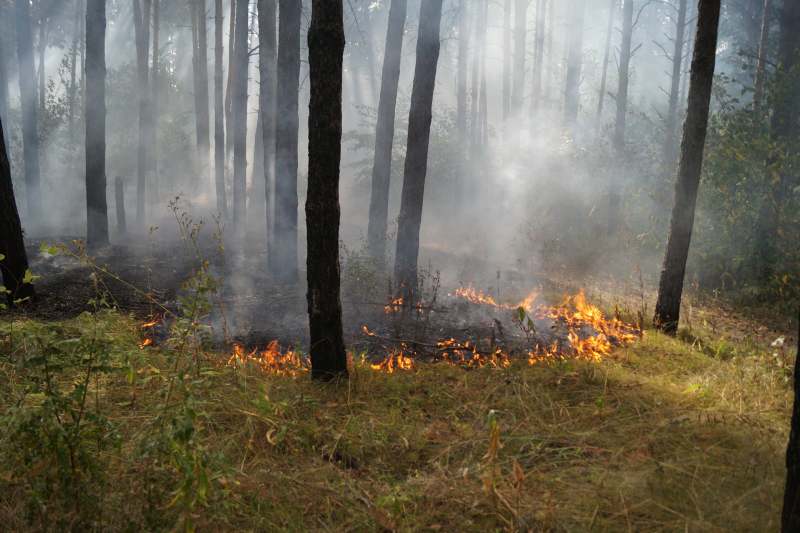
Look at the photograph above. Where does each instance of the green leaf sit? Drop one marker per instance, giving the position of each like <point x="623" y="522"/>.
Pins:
<point x="29" y="277"/>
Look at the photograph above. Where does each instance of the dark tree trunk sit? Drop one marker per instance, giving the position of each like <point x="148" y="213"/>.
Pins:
<point x="507" y="59"/>
<point x="790" y="517"/>
<point x="538" y="56"/>
<point x="614" y="198"/>
<point x="285" y="250"/>
<point x="670" y="140"/>
<point x="97" y="210"/>
<point x="763" y="49"/>
<point x="219" y="114"/>
<point x="601" y="96"/>
<point x="670" y="286"/>
<point x="416" y="165"/>
<point x="574" y="63"/>
<point x="30" y="121"/>
<point x="239" y="118"/>
<point x="384" y="134"/>
<point x="200" y="68"/>
<point x="141" y="25"/>
<point x="784" y="130"/>
<point x="325" y="54"/>
<point x="520" y="14"/>
<point x="3" y="65"/>
<point x="267" y="77"/>
<point x="14" y="264"/>
<point x="119" y="203"/>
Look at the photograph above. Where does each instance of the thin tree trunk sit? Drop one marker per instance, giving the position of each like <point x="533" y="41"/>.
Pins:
<point x="614" y="214"/>
<point x="239" y="118"/>
<point x="790" y="516"/>
<point x="219" y="114"/>
<point x="538" y="56"/>
<point x="231" y="74"/>
<point x="325" y="55"/>
<point x="507" y="59"/>
<point x="141" y="25"/>
<point x="601" y="96"/>
<point x="670" y="287"/>
<point x="268" y="87"/>
<point x="285" y="250"/>
<point x="551" y="57"/>
<point x="3" y="65"/>
<point x="763" y="50"/>
<point x="72" y="91"/>
<point x="97" y="210"/>
<point x="14" y="262"/>
<point x="200" y="68"/>
<point x="670" y="140"/>
<point x="384" y="132"/>
<point x="520" y="14"/>
<point x="30" y="120"/>
<point x="480" y="38"/>
<point x="42" y="23"/>
<point x="462" y="71"/>
<point x="416" y="165"/>
<point x="574" y="64"/>
<point x="153" y="114"/>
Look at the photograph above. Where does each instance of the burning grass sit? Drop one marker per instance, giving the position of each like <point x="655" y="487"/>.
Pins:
<point x="657" y="435"/>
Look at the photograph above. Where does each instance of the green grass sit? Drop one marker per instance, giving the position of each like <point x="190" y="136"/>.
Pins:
<point x="663" y="435"/>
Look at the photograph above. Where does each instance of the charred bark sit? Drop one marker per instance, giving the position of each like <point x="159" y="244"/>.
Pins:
<point x="285" y="238"/>
<point x="239" y="120"/>
<point x="30" y="112"/>
<point x="141" y="26"/>
<point x="267" y="94"/>
<point x="97" y="209"/>
<point x="416" y="165"/>
<point x="620" y="124"/>
<point x="669" y="151"/>
<point x="219" y="115"/>
<point x="384" y="134"/>
<point x="14" y="264"/>
<point x="670" y="286"/>
<point x="325" y="55"/>
<point x="790" y="516"/>
<point x="574" y="64"/>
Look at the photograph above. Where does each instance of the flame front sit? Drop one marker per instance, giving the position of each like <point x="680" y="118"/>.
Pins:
<point x="270" y="360"/>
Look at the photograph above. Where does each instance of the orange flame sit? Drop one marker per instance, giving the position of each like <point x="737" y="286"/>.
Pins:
<point x="271" y="360"/>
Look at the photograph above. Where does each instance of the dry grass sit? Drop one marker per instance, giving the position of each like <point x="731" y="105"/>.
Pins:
<point x="661" y="436"/>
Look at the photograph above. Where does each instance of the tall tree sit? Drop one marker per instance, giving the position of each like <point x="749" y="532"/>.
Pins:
<point x="219" y="114"/>
<point x="41" y="21"/>
<point x="507" y="59"/>
<point x="622" y="111"/>
<point x="476" y="68"/>
<point x="670" y="148"/>
<point x="784" y="130"/>
<point x="384" y="132"/>
<point x="200" y="69"/>
<point x="30" y="120"/>
<point x="790" y="516"/>
<point x="153" y="114"/>
<point x="763" y="49"/>
<point x="267" y="77"/>
<point x="285" y="238"/>
<point x="574" y="63"/>
<point x="141" y="29"/>
<point x="96" y="208"/>
<point x="72" y="90"/>
<point x="416" y="165"/>
<point x="670" y="287"/>
<point x="461" y="70"/>
<point x="239" y="118"/>
<point x="601" y="96"/>
<point x="538" y="55"/>
<point x="520" y="15"/>
<point x="325" y="55"/>
<point x="3" y="65"/>
<point x="231" y="74"/>
<point x="14" y="260"/>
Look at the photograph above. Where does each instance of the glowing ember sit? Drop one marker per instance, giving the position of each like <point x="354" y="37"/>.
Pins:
<point x="394" y="306"/>
<point x="145" y="343"/>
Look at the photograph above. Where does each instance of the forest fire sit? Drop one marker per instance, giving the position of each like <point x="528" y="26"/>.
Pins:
<point x="270" y="360"/>
<point x="147" y="328"/>
<point x="394" y="362"/>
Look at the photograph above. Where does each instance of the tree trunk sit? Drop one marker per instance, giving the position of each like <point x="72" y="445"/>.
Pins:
<point x="239" y="118"/>
<point x="285" y="250"/>
<point x="267" y="94"/>
<point x="42" y="24"/>
<point x="614" y="214"/>
<point x="30" y="120"/>
<point x="790" y="517"/>
<point x="670" y="286"/>
<point x="200" y="67"/>
<point x="325" y="55"/>
<point x="462" y="68"/>
<point x="219" y="114"/>
<point x="141" y="26"/>
<point x="72" y="90"/>
<point x="231" y="74"/>
<point x="763" y="49"/>
<point x="784" y="130"/>
<point x="538" y="56"/>
<point x="601" y="96"/>
<point x="14" y="264"/>
<point x="670" y="141"/>
<point x="384" y="132"/>
<point x="574" y="63"/>
<point x="520" y="14"/>
<point x="3" y="66"/>
<point x="416" y="165"/>
<point x="475" y="100"/>
<point x="153" y="114"/>
<point x="97" y="210"/>
<point x="507" y="59"/>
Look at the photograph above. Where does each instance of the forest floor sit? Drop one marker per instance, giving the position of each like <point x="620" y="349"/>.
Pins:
<point x="116" y="424"/>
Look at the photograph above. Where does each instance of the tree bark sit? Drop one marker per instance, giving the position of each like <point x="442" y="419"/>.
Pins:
<point x="219" y="114"/>
<point x="384" y="132"/>
<point x="520" y="14"/>
<point x="790" y="516"/>
<point x="97" y="210"/>
<point x="476" y="72"/>
<point x="30" y="120"/>
<point x="670" y="287"/>
<point x="574" y="63"/>
<point x="42" y="25"/>
<point x="601" y="96"/>
<point x="669" y="151"/>
<point x="614" y="214"/>
<point x="72" y="90"/>
<point x="153" y="112"/>
<point x="15" y="263"/>
<point x="285" y="249"/>
<point x="141" y="26"/>
<point x="200" y="67"/>
<point x="763" y="49"/>
<point x="507" y="59"/>
<point x="416" y="165"/>
<point x="239" y="118"/>
<point x="231" y="74"/>
<point x="462" y="71"/>
<point x="3" y="65"/>
<point x="267" y="94"/>
<point x="325" y="55"/>
<point x="538" y="56"/>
